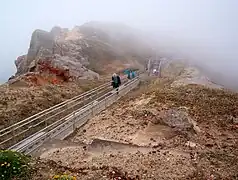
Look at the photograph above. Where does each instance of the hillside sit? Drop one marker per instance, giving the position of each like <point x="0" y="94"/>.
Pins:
<point x="179" y="126"/>
<point x="169" y="128"/>
<point x="63" y="63"/>
<point x="20" y="100"/>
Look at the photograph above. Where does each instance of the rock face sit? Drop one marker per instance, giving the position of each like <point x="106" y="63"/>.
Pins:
<point x="83" y="52"/>
<point x="21" y="64"/>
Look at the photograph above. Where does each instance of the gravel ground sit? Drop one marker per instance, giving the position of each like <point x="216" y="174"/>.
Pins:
<point x="168" y="132"/>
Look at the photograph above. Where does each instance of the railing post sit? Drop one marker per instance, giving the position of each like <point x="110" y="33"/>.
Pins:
<point x="83" y="100"/>
<point x="14" y="135"/>
<point x="46" y="123"/>
<point x="105" y="102"/>
<point x="74" y="122"/>
<point x="92" y="109"/>
<point x="97" y="94"/>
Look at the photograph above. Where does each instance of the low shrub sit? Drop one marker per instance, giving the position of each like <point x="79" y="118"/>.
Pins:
<point x="63" y="177"/>
<point x="13" y="165"/>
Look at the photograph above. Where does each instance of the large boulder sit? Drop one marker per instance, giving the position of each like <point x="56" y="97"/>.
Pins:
<point x="85" y="51"/>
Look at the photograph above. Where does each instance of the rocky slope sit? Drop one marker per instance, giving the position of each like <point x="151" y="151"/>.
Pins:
<point x="83" y="52"/>
<point x="169" y="128"/>
<point x="20" y="100"/>
<point x="63" y="63"/>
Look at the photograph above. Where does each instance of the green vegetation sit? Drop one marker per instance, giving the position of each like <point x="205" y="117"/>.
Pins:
<point x="14" y="165"/>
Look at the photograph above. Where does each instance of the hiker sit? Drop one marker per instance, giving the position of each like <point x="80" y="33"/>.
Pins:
<point x="116" y="81"/>
<point x="129" y="74"/>
<point x="133" y="74"/>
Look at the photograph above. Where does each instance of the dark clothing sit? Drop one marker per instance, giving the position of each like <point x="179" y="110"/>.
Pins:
<point x="116" y="81"/>
<point x="129" y="76"/>
<point x="115" y="85"/>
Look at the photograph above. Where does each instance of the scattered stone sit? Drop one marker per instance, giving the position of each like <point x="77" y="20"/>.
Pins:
<point x="190" y="144"/>
<point x="235" y="120"/>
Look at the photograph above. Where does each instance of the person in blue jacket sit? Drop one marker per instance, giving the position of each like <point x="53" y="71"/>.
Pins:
<point x="133" y="74"/>
<point x="128" y="72"/>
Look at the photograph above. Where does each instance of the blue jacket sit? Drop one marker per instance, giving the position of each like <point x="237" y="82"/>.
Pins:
<point x="127" y="72"/>
<point x="133" y="74"/>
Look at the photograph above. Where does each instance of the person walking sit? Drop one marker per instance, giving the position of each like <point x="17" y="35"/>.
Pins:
<point x="116" y="81"/>
<point x="133" y="74"/>
<point x="129" y="74"/>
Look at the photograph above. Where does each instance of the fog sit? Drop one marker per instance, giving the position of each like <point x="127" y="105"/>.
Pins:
<point x="205" y="32"/>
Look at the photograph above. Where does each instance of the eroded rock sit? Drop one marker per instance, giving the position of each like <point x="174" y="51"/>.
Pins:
<point x="85" y="51"/>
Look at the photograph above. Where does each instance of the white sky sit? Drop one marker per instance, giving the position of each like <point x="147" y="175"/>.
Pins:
<point x="211" y="26"/>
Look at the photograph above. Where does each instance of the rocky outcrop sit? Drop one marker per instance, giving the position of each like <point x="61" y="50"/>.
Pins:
<point x="20" y="63"/>
<point x="42" y="44"/>
<point x="83" y="52"/>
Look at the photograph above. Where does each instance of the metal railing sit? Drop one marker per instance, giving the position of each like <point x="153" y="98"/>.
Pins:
<point x="18" y="131"/>
<point x="66" y="125"/>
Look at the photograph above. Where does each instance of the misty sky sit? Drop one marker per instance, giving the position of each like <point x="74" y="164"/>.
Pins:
<point x="208" y="28"/>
